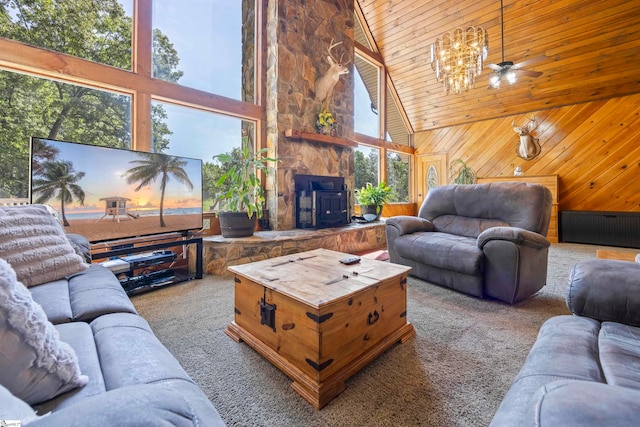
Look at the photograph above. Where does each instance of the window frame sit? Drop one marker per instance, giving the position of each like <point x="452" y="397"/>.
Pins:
<point x="137" y="82"/>
<point x="386" y="87"/>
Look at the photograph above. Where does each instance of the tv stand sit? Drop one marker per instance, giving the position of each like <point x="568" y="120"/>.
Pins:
<point x="151" y="265"/>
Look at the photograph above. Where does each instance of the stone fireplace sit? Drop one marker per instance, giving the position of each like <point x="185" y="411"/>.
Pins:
<point x="298" y="37"/>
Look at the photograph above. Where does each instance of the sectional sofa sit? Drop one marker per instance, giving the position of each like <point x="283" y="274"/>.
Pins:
<point x="74" y="351"/>
<point x="584" y="369"/>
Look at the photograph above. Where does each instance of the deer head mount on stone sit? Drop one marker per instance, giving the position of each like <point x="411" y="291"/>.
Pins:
<point x="324" y="85"/>
<point x="528" y="148"/>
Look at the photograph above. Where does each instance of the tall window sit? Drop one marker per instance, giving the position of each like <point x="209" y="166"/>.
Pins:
<point x="100" y="95"/>
<point x="378" y="121"/>
<point x="201" y="135"/>
<point x="209" y="39"/>
<point x="398" y="176"/>
<point x="32" y="106"/>
<point x="367" y="166"/>
<point x="83" y="28"/>
<point x="366" y="98"/>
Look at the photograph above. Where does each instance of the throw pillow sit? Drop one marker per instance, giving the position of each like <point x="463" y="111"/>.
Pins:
<point x="35" y="245"/>
<point x="34" y="364"/>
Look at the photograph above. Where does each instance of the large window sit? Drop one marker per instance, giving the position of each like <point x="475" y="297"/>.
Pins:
<point x="366" y="98"/>
<point x="379" y="121"/>
<point x="113" y="77"/>
<point x="209" y="39"/>
<point x="398" y="176"/>
<point x="201" y="135"/>
<point x="100" y="32"/>
<point x="32" y="106"/>
<point x="367" y="166"/>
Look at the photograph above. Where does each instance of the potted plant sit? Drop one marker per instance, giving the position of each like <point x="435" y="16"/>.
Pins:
<point x="241" y="204"/>
<point x="463" y="173"/>
<point x="371" y="199"/>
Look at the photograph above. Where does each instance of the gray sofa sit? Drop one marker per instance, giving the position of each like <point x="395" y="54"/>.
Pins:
<point x="584" y="369"/>
<point x="131" y="378"/>
<point x="481" y="239"/>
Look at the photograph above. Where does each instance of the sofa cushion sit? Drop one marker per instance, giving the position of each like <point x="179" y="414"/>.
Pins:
<point x="142" y="360"/>
<point x="79" y="336"/>
<point x="83" y="297"/>
<point x="465" y="226"/>
<point x="442" y="250"/>
<point x="35" y="245"/>
<point x="35" y="365"/>
<point x="620" y="354"/>
<point x="12" y="408"/>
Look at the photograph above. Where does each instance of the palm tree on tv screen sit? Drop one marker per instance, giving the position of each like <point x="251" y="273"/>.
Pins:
<point x="60" y="181"/>
<point x="152" y="166"/>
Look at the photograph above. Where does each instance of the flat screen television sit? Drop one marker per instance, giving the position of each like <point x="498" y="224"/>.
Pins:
<point x="111" y="193"/>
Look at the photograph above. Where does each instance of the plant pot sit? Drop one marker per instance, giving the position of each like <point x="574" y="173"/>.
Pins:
<point x="236" y="224"/>
<point x="370" y="212"/>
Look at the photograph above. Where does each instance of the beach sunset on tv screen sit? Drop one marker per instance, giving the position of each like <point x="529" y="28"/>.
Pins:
<point x="115" y="193"/>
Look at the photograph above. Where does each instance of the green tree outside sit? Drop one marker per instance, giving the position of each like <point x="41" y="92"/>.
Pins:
<point x="97" y="30"/>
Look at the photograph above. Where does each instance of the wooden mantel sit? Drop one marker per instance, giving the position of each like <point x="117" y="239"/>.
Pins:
<point x="317" y="137"/>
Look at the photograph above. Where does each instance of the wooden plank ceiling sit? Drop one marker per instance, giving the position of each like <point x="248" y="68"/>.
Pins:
<point x="591" y="51"/>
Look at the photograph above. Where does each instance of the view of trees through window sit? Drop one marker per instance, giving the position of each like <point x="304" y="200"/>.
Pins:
<point x="398" y="176"/>
<point x="367" y="88"/>
<point x="102" y="32"/>
<point x="367" y="166"/>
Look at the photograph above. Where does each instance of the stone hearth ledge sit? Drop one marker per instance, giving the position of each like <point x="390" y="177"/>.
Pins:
<point x="220" y="252"/>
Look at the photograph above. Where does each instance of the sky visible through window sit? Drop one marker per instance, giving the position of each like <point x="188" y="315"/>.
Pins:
<point x="207" y="36"/>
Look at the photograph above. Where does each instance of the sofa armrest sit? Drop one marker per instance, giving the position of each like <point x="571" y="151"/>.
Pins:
<point x="605" y="290"/>
<point x="81" y="246"/>
<point x="138" y="405"/>
<point x="584" y="403"/>
<point x="516" y="235"/>
<point x="405" y="224"/>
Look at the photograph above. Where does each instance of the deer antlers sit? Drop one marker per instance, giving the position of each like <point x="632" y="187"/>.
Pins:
<point x="325" y="84"/>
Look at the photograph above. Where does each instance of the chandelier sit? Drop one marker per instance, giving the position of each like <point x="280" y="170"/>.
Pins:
<point x="457" y="57"/>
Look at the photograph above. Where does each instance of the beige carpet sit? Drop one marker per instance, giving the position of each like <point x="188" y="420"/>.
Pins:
<point x="455" y="372"/>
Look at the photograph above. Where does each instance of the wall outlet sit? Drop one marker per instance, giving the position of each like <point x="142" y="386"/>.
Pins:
<point x="206" y="224"/>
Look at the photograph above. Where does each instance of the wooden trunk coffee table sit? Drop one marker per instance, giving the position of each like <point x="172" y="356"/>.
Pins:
<point x="318" y="320"/>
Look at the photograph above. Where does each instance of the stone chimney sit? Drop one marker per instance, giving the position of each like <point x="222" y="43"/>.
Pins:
<point x="299" y="33"/>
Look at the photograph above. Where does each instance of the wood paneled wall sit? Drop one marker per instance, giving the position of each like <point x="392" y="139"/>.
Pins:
<point x="593" y="147"/>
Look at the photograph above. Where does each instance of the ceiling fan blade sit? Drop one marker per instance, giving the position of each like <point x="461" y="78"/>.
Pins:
<point x="494" y="67"/>
<point x="529" y="73"/>
<point x="530" y="61"/>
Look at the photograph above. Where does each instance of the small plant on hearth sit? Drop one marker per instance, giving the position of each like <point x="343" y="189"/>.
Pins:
<point x="371" y="198"/>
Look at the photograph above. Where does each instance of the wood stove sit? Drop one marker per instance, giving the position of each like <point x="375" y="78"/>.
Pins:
<point x="321" y="201"/>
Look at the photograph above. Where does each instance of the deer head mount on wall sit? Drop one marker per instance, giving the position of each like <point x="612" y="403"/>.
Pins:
<point x="528" y="148"/>
<point x="324" y="85"/>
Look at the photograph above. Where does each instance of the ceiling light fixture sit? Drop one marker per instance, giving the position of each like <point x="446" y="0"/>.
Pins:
<point x="508" y="69"/>
<point x="457" y="57"/>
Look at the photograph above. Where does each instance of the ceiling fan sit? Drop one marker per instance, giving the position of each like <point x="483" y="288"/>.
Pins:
<point x="508" y="69"/>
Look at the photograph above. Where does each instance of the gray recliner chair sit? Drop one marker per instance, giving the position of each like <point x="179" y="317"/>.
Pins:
<point x="482" y="239"/>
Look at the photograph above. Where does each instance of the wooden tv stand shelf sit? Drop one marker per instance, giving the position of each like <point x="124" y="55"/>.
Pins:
<point x="549" y="181"/>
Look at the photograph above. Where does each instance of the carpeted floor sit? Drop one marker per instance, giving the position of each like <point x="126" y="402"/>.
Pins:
<point x="455" y="372"/>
